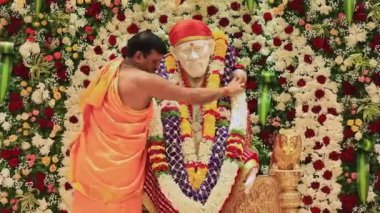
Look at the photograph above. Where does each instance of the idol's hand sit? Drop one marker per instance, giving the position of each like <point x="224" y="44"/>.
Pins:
<point x="250" y="180"/>
<point x="241" y="75"/>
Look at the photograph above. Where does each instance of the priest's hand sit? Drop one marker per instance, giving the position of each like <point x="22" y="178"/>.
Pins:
<point x="250" y="171"/>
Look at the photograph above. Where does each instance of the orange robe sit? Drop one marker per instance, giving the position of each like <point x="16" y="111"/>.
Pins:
<point x="108" y="157"/>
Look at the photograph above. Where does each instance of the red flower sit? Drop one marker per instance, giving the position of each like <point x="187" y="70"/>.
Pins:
<point x="374" y="127"/>
<point x="6" y="211"/>
<point x="15" y="105"/>
<point x="305" y="108"/>
<point x="238" y="34"/>
<point x="247" y="18"/>
<point x="39" y="181"/>
<point x="163" y="19"/>
<point x="282" y="80"/>
<point x="375" y="43"/>
<point x="316" y="109"/>
<point x="322" y="119"/>
<point x="319" y="93"/>
<point x="212" y="10"/>
<point x="377" y="184"/>
<point x="376" y="78"/>
<point x="334" y="156"/>
<point x="257" y="28"/>
<point x="151" y="8"/>
<point x="68" y="186"/>
<point x="349" y="201"/>
<point x="198" y="17"/>
<point x="315" y="210"/>
<point x="348" y="88"/>
<point x="6" y="154"/>
<point x="301" y="83"/>
<point x="121" y="17"/>
<point x="93" y="9"/>
<point x="288" y="29"/>
<point x="332" y="111"/>
<point x="297" y="6"/>
<point x="252" y="105"/>
<point x="62" y="75"/>
<point x="88" y="29"/>
<point x="43" y="123"/>
<point x="224" y="22"/>
<point x="235" y="6"/>
<point x="288" y="47"/>
<point x="3" y="2"/>
<point x="308" y="59"/>
<point x="348" y="155"/>
<point x="112" y="57"/>
<point x="326" y="211"/>
<point x="317" y="43"/>
<point x="124" y="51"/>
<point x="326" y="140"/>
<point x="14" y="162"/>
<point x="73" y="119"/>
<point x="251" y="84"/>
<point x="321" y="79"/>
<point x="348" y="133"/>
<point x="290" y="115"/>
<point x="98" y="50"/>
<point x="277" y="41"/>
<point x="48" y="112"/>
<point x="21" y="70"/>
<point x="112" y="40"/>
<point x="326" y="46"/>
<point x="14" y="25"/>
<point x="315" y="185"/>
<point x="307" y="200"/>
<point x="291" y="68"/>
<point x="86" y="83"/>
<point x="85" y="69"/>
<point x="309" y="133"/>
<point x="318" y="165"/>
<point x="360" y="14"/>
<point x="133" y="29"/>
<point x="267" y="16"/>
<point x="256" y="46"/>
<point x="266" y="136"/>
<point x="327" y="175"/>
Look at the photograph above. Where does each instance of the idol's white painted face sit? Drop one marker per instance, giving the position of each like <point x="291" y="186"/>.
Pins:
<point x="194" y="56"/>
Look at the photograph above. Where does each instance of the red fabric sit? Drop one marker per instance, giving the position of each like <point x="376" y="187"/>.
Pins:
<point x="188" y="28"/>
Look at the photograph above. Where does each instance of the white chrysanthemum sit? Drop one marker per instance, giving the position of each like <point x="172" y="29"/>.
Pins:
<point x="37" y="96"/>
<point x="2" y="117"/>
<point x="5" y="172"/>
<point x="8" y="182"/>
<point x="356" y="35"/>
<point x="45" y="149"/>
<point x="37" y="140"/>
<point x="29" y="48"/>
<point x="25" y="145"/>
<point x="373" y="62"/>
<point x="6" y="126"/>
<point x="325" y="10"/>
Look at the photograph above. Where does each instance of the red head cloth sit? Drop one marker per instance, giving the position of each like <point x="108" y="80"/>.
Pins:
<point x="189" y="30"/>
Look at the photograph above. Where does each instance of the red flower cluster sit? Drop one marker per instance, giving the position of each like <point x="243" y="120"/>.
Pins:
<point x="321" y="44"/>
<point x="21" y="70"/>
<point x="375" y="43"/>
<point x="15" y="25"/>
<point x="374" y="127"/>
<point x="349" y="201"/>
<point x="348" y="88"/>
<point x="257" y="28"/>
<point x="360" y="14"/>
<point x="93" y="10"/>
<point x="11" y="155"/>
<point x="15" y="102"/>
<point x="348" y="155"/>
<point x="297" y="6"/>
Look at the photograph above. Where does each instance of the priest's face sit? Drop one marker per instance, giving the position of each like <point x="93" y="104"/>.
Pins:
<point x="194" y="56"/>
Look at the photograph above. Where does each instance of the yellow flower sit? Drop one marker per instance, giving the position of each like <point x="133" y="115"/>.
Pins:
<point x="75" y="55"/>
<point x="53" y="168"/>
<point x="170" y="62"/>
<point x="76" y="47"/>
<point x="213" y="81"/>
<point x="24" y="83"/>
<point x="69" y="49"/>
<point x="334" y="32"/>
<point x="220" y="48"/>
<point x="162" y="156"/>
<point x="41" y="16"/>
<point x="209" y="125"/>
<point x="350" y="122"/>
<point x="55" y="159"/>
<point x="25" y="125"/>
<point x="25" y="132"/>
<point x="184" y="110"/>
<point x="219" y="35"/>
<point x="29" y="89"/>
<point x="211" y="106"/>
<point x="185" y="127"/>
<point x="12" y="138"/>
<point x="358" y="122"/>
<point x="354" y="128"/>
<point x="155" y="165"/>
<point x="24" y="93"/>
<point x="57" y="95"/>
<point x="62" y="89"/>
<point x="46" y="161"/>
<point x="44" y="23"/>
<point x="157" y="148"/>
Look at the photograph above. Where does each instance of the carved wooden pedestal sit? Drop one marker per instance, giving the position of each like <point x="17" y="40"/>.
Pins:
<point x="289" y="198"/>
<point x="261" y="199"/>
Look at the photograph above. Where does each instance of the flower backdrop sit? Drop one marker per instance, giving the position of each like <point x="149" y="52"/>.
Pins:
<point x="319" y="59"/>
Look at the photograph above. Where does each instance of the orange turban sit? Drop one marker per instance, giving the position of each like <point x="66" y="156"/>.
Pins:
<point x="189" y="30"/>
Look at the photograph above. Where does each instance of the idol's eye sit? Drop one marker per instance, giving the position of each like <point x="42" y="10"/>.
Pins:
<point x="186" y="51"/>
<point x="197" y="48"/>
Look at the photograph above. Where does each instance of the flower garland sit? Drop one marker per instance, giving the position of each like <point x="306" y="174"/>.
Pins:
<point x="197" y="176"/>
